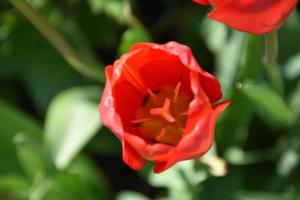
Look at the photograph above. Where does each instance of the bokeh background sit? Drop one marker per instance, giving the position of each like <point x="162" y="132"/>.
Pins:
<point x="53" y="147"/>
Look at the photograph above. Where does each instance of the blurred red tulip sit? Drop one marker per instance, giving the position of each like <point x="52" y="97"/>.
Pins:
<point x="161" y="105"/>
<point x="253" y="16"/>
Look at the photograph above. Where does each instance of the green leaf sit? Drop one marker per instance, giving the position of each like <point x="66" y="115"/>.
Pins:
<point x="14" y="121"/>
<point x="81" y="181"/>
<point x="215" y="34"/>
<point x="182" y="179"/>
<point x="56" y="39"/>
<point x="252" y="62"/>
<point x="228" y="61"/>
<point x="41" y="185"/>
<point x="265" y="196"/>
<point x="294" y="101"/>
<point x="292" y="67"/>
<point x="30" y="155"/>
<point x="129" y="195"/>
<point x="269" y="101"/>
<point x="233" y="125"/>
<point x="72" y="120"/>
<point x="14" y="186"/>
<point x="237" y="156"/>
<point x="113" y="8"/>
<point x="288" y="162"/>
<point x="288" y="37"/>
<point x="135" y="33"/>
<point x="36" y="69"/>
<point x="78" y="40"/>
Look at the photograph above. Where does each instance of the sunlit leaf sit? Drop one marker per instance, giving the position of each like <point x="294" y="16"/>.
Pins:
<point x="129" y="195"/>
<point x="292" y="67"/>
<point x="288" y="162"/>
<point x="181" y="180"/>
<point x="227" y="62"/>
<point x="233" y="125"/>
<point x="216" y="35"/>
<point x="72" y="120"/>
<point x="269" y="101"/>
<point x="113" y="8"/>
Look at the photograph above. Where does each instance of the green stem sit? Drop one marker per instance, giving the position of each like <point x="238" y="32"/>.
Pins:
<point x="272" y="67"/>
<point x="271" y="48"/>
<point x="57" y="40"/>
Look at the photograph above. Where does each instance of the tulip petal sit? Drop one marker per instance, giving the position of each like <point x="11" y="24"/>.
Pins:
<point x="254" y="16"/>
<point x="209" y="83"/>
<point x="127" y="101"/>
<point x="131" y="157"/>
<point x="147" y="150"/>
<point x="148" y="70"/>
<point x="109" y="116"/>
<point x="200" y="139"/>
<point x="196" y="143"/>
<point x="149" y="62"/>
<point x="211" y="86"/>
<point x="203" y="2"/>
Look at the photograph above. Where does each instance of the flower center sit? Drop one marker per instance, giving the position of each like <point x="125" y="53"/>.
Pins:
<point x="164" y="111"/>
<point x="163" y="115"/>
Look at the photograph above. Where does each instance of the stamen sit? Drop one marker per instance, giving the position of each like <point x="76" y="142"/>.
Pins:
<point x="177" y="91"/>
<point x="169" y="117"/>
<point x="167" y="104"/>
<point x="137" y="121"/>
<point x="152" y="95"/>
<point x="161" y="134"/>
<point x="156" y="111"/>
<point x="164" y="111"/>
<point x="183" y="113"/>
<point x="163" y="114"/>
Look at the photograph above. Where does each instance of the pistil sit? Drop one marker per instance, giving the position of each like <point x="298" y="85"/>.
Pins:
<point x="163" y="114"/>
<point x="164" y="111"/>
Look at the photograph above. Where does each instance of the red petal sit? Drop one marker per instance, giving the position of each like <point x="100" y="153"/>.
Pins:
<point x="211" y="86"/>
<point x="126" y="68"/>
<point x="127" y="101"/>
<point x="147" y="151"/>
<point x="163" y="70"/>
<point x="152" y="65"/>
<point x="132" y="158"/>
<point x="203" y="2"/>
<point x="254" y="16"/>
<point x="195" y="143"/>
<point x="209" y="83"/>
<point x="108" y="114"/>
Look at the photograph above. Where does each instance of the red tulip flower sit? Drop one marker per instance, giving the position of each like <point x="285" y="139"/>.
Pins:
<point x="253" y="16"/>
<point x="161" y="105"/>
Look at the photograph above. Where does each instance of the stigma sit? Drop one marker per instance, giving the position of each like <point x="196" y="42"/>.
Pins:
<point x="163" y="115"/>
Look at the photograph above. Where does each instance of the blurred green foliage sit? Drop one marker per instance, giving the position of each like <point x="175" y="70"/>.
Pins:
<point x="52" y="144"/>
